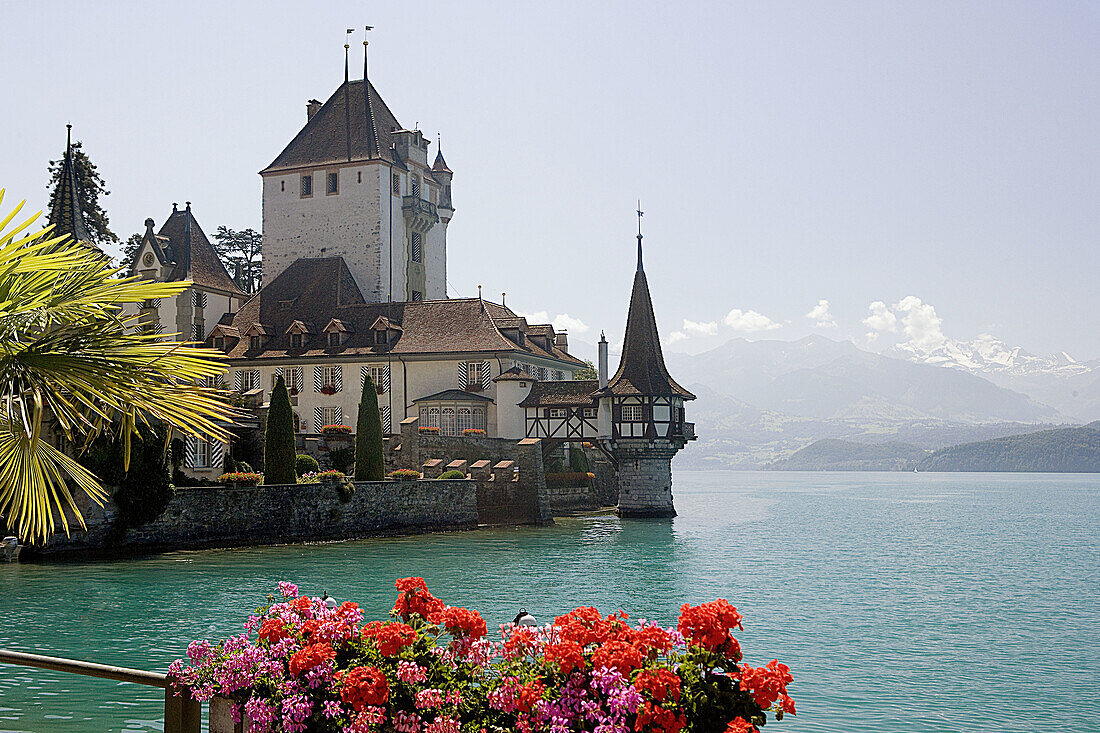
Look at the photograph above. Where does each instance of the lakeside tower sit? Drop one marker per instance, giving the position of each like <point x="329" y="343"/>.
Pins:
<point x="354" y="183"/>
<point x="643" y="408"/>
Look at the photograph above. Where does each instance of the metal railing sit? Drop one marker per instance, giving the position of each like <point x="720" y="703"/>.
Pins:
<point x="181" y="713"/>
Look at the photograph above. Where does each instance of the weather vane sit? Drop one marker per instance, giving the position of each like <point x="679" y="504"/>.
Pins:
<point x="640" y="215"/>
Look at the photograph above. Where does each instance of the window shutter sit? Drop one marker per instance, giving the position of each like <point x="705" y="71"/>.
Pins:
<point x="191" y="452"/>
<point x="386" y="379"/>
<point x="318" y="377"/>
<point x="338" y="378"/>
<point x="238" y="380"/>
<point x="318" y="419"/>
<point x="387" y="423"/>
<point x="339" y="415"/>
<point x="363" y="372"/>
<point x="486" y="374"/>
<point x="279" y="372"/>
<point x="217" y="451"/>
<point x="463" y="374"/>
<point x="297" y="374"/>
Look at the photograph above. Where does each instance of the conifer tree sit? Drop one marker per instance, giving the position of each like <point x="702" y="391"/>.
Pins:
<point x="369" y="462"/>
<point x="89" y="186"/>
<point x="279" y="453"/>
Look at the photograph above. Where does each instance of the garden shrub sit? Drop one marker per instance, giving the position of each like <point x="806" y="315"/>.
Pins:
<point x="578" y="460"/>
<point x="279" y="454"/>
<point x="405" y="474"/>
<point x="370" y="464"/>
<point x="342" y="458"/>
<point x="304" y="464"/>
<point x="452" y="474"/>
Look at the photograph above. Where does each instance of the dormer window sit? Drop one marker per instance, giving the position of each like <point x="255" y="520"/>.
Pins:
<point x="254" y="342"/>
<point x="219" y="343"/>
<point x="333" y="339"/>
<point x="295" y="340"/>
<point x="380" y="337"/>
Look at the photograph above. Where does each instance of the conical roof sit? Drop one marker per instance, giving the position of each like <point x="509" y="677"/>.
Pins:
<point x="642" y="368"/>
<point x="440" y="165"/>
<point x="66" y="214"/>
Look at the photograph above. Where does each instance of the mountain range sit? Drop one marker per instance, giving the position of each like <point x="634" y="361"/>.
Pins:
<point x="759" y="401"/>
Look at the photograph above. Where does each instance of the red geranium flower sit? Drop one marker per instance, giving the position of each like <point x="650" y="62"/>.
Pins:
<point x="740" y="725"/>
<point x="521" y="641"/>
<point x="390" y="638"/>
<point x="565" y="655"/>
<point x="274" y="630"/>
<point x="365" y="686"/>
<point x="415" y="598"/>
<point x="529" y="696"/>
<point x="768" y="683"/>
<point x="651" y="639"/>
<point x="708" y="624"/>
<point x="461" y="622"/>
<point x="617" y="654"/>
<point x="657" y="718"/>
<point x="661" y="684"/>
<point x="311" y="656"/>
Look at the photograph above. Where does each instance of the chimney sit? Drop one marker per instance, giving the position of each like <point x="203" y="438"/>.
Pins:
<point x="561" y="340"/>
<point x="603" y="360"/>
<point x="311" y="108"/>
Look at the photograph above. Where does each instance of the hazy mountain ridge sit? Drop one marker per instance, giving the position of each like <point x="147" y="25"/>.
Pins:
<point x="1063" y="450"/>
<point x="760" y="401"/>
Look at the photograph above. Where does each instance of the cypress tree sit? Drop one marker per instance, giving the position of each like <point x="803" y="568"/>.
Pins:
<point x="369" y="463"/>
<point x="279" y="454"/>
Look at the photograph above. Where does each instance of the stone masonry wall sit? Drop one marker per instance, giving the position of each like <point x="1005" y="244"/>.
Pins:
<point x="219" y="516"/>
<point x="645" y="482"/>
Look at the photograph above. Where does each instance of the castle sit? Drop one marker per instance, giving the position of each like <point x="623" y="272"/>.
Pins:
<point x="355" y="284"/>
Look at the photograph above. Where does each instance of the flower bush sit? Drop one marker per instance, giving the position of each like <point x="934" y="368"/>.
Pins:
<point x="405" y="474"/>
<point x="428" y="430"/>
<point x="336" y="430"/>
<point x="331" y="476"/>
<point x="432" y="668"/>
<point x="241" y="477"/>
<point x="473" y="431"/>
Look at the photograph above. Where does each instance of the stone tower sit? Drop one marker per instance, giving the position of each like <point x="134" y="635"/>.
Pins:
<point x="354" y="183"/>
<point x="644" y="408"/>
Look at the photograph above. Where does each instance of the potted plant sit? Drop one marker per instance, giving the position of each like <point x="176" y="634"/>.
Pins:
<point x="428" y="430"/>
<point x="330" y="477"/>
<point x="237" y="479"/>
<point x="336" y="430"/>
<point x="328" y="389"/>
<point x="405" y="474"/>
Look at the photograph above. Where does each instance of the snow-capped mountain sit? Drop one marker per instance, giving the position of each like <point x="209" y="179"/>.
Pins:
<point x="989" y="355"/>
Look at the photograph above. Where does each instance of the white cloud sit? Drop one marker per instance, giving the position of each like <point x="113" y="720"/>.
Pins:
<point x="695" y="328"/>
<point x="565" y="322"/>
<point x="920" y="323"/>
<point x="749" y="321"/>
<point x="676" y="336"/>
<point x="881" y="318"/>
<point x="821" y="316"/>
<point x="872" y="336"/>
<point x="562" y="321"/>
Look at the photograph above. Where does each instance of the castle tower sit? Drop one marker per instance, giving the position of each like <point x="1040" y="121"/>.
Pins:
<point x="645" y="409"/>
<point x="356" y="184"/>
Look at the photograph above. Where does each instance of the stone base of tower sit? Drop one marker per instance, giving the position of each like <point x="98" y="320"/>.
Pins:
<point x="645" y="479"/>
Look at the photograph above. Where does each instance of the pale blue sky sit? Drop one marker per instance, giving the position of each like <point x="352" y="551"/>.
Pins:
<point x="784" y="152"/>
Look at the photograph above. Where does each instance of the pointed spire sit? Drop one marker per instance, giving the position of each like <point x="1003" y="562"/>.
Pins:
<point x="642" y="368"/>
<point x="66" y="215"/>
<point x="440" y="165"/>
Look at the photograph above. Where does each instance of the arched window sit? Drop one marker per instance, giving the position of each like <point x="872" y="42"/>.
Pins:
<point x="465" y="419"/>
<point x="433" y="417"/>
<point x="448" y="425"/>
<point x="479" y="419"/>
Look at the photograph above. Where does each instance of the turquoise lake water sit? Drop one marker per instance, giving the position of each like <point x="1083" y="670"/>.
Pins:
<point x="901" y="602"/>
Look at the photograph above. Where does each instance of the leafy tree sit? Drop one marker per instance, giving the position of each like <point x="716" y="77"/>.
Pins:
<point x="304" y="464"/>
<point x="279" y="455"/>
<point x="143" y="491"/>
<point x="89" y="186"/>
<point x="587" y="372"/>
<point x="369" y="462"/>
<point x="242" y="253"/>
<point x="70" y="355"/>
<point x="129" y="249"/>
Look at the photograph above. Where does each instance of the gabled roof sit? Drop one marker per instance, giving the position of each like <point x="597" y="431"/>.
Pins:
<point x="317" y="290"/>
<point x="576" y="393"/>
<point x="515" y="374"/>
<point x="325" y="137"/>
<point x="193" y="254"/>
<point x="642" y="368"/>
<point x="66" y="214"/>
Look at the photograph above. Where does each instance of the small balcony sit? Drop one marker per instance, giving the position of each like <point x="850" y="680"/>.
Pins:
<point x="420" y="215"/>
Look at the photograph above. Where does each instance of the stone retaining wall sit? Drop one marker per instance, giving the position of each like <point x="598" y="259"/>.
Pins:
<point x="217" y="516"/>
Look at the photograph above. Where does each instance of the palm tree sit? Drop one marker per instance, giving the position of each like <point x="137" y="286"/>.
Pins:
<point x="69" y="358"/>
